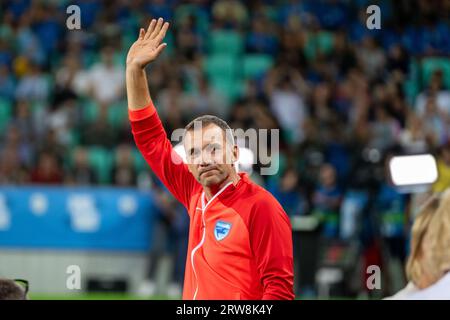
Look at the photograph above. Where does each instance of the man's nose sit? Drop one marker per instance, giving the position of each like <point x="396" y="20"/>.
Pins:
<point x="206" y="159"/>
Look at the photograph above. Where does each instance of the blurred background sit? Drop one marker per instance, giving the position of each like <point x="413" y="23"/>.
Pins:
<point x="75" y="191"/>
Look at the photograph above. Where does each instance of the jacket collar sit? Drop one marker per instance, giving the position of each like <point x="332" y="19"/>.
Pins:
<point x="227" y="189"/>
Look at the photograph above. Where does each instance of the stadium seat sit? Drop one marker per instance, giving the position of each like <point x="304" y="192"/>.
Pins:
<point x="411" y="85"/>
<point x="230" y="88"/>
<point x="221" y="66"/>
<point x="118" y="114"/>
<point x="91" y="110"/>
<point x="256" y="64"/>
<point x="101" y="161"/>
<point x="90" y="58"/>
<point x="430" y="65"/>
<point x="5" y="113"/>
<point x="139" y="160"/>
<point x="226" y="42"/>
<point x="320" y="43"/>
<point x="120" y="58"/>
<point x="185" y="10"/>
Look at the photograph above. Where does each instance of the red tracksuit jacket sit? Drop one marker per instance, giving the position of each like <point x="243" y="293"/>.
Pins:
<point x="240" y="241"/>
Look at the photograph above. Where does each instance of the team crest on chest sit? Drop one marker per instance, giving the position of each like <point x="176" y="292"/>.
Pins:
<point x="221" y="230"/>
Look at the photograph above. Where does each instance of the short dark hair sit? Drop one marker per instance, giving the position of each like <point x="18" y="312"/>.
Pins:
<point x="10" y="290"/>
<point x="207" y="120"/>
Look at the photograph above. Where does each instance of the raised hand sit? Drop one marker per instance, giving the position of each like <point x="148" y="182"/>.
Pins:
<point x="148" y="46"/>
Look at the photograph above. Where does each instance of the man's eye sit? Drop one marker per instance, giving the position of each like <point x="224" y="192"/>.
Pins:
<point x="194" y="153"/>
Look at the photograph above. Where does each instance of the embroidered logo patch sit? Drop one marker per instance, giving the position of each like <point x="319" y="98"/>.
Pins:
<point x="221" y="230"/>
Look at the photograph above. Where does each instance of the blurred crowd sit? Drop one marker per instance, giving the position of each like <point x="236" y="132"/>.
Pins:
<point x="345" y="98"/>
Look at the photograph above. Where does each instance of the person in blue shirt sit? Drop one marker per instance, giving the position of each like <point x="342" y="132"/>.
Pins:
<point x="327" y="200"/>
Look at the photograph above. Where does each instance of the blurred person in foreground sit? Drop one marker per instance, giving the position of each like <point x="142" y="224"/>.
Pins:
<point x="428" y="266"/>
<point x="12" y="290"/>
<point x="443" y="163"/>
<point x="240" y="238"/>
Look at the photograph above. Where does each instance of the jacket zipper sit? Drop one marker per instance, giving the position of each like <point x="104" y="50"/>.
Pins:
<point x="204" y="230"/>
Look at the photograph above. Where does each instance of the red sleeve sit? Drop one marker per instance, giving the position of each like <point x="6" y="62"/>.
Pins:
<point x="271" y="242"/>
<point x="152" y="142"/>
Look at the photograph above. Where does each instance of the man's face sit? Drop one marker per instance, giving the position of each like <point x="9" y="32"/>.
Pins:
<point x="210" y="158"/>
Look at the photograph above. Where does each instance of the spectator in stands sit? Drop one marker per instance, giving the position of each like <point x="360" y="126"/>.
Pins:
<point x="106" y="79"/>
<point x="287" y="192"/>
<point x="172" y="101"/>
<point x="24" y="120"/>
<point x="99" y="131"/>
<point x="34" y="86"/>
<point x="23" y="147"/>
<point x="29" y="45"/>
<point x="48" y="169"/>
<point x="7" y="84"/>
<point x="384" y="130"/>
<point x="62" y="119"/>
<point x="205" y="100"/>
<point x="398" y="60"/>
<point x="124" y="173"/>
<point x="65" y="78"/>
<point x="327" y="200"/>
<point x="261" y="38"/>
<point x="11" y="170"/>
<point x="371" y="58"/>
<point x="229" y="14"/>
<point x="413" y="137"/>
<point x="436" y="123"/>
<point x="436" y="92"/>
<point x="189" y="40"/>
<point x="81" y="172"/>
<point x="284" y="90"/>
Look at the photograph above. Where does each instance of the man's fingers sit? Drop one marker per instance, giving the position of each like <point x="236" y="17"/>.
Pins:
<point x="157" y="28"/>
<point x="160" y="48"/>
<point x="151" y="26"/>
<point x="163" y="31"/>
<point x="141" y="33"/>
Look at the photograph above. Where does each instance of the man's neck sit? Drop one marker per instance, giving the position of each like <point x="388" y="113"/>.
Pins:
<point x="212" y="190"/>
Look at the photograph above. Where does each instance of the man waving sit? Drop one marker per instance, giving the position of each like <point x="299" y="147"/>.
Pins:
<point x="240" y="238"/>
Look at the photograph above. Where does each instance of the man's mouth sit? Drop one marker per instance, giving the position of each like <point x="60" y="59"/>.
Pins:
<point x="207" y="171"/>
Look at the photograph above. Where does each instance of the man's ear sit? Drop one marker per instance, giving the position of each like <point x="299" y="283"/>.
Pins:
<point x="235" y="153"/>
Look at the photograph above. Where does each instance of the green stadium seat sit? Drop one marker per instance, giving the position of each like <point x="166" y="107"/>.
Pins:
<point x="323" y="42"/>
<point x="185" y="10"/>
<point x="221" y="65"/>
<point x="230" y="88"/>
<point x="90" y="58"/>
<point x="411" y="85"/>
<point x="256" y="64"/>
<point x="430" y="65"/>
<point x="5" y="113"/>
<point x="91" y="110"/>
<point x="139" y="161"/>
<point x="411" y="90"/>
<point x="37" y="106"/>
<point x="120" y="58"/>
<point x="101" y="160"/>
<point x="118" y="114"/>
<point x="226" y="42"/>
